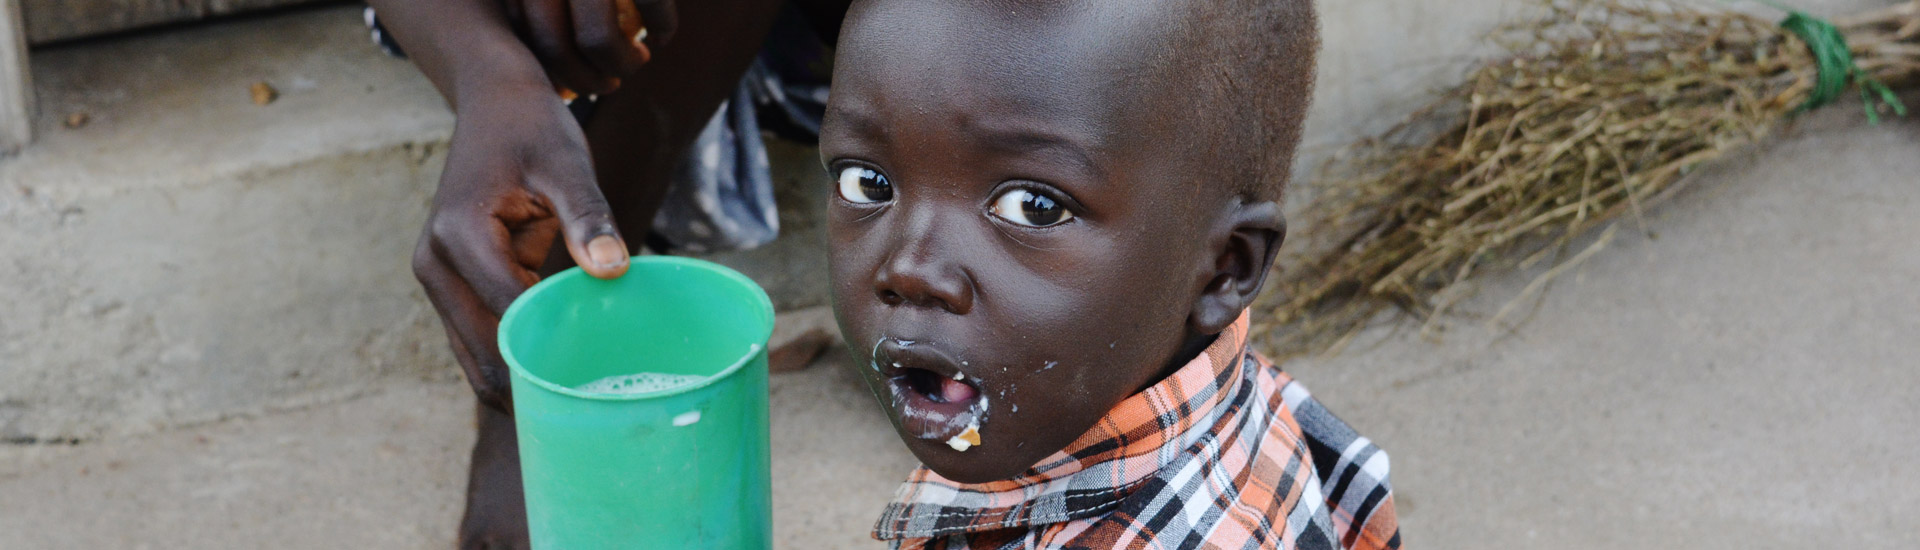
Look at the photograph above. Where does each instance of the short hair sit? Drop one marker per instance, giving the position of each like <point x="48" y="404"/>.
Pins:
<point x="1257" y="85"/>
<point x="1242" y="70"/>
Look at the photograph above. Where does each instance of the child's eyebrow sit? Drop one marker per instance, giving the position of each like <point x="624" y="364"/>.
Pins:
<point x="862" y="122"/>
<point x="1030" y="142"/>
<point x="859" y="120"/>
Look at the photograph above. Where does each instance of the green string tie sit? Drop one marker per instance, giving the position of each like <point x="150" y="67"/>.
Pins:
<point x="1836" y="67"/>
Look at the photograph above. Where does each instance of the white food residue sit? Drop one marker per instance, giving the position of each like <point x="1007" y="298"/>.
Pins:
<point x="967" y="439"/>
<point x="686" y="418"/>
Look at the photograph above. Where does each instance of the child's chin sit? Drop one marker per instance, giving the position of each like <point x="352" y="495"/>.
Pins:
<point x="975" y="465"/>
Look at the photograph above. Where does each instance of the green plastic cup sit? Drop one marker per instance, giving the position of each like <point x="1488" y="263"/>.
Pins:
<point x="681" y="467"/>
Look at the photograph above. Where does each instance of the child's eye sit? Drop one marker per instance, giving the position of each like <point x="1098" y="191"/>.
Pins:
<point x="1028" y="208"/>
<point x="864" y="186"/>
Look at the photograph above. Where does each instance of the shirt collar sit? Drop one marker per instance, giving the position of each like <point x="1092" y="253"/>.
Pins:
<point x="1122" y="451"/>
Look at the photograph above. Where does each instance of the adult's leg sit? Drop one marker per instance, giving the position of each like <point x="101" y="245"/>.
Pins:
<point x="636" y="135"/>
<point x="496" y="516"/>
<point x="640" y="133"/>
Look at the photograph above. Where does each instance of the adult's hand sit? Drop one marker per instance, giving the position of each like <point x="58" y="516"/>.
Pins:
<point x="587" y="46"/>
<point x="518" y="175"/>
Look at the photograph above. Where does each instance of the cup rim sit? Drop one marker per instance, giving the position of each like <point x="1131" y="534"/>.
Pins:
<point x="519" y="304"/>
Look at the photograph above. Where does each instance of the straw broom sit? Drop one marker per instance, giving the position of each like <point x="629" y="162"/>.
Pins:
<point x="1598" y="110"/>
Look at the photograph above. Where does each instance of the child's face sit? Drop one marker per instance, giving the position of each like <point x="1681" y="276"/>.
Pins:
<point x="1017" y="240"/>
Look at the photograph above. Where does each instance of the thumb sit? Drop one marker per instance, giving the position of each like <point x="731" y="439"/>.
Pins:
<point x="586" y="224"/>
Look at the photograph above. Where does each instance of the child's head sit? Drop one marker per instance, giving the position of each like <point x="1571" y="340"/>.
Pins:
<point x="1043" y="207"/>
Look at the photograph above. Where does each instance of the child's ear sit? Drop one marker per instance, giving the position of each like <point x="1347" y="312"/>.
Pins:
<point x="1245" y="244"/>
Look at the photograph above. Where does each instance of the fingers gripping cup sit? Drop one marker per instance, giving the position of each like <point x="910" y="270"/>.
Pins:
<point x="641" y="405"/>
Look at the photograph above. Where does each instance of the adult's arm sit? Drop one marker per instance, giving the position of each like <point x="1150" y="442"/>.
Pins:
<point x="518" y="175"/>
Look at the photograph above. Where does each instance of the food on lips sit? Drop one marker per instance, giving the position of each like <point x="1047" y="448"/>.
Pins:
<point x="967" y="439"/>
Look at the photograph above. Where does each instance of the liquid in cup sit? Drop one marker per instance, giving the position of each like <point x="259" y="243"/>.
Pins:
<point x="645" y="382"/>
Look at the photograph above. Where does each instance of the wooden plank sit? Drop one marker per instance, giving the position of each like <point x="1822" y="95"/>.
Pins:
<point x="51" y="20"/>
<point x="16" y="85"/>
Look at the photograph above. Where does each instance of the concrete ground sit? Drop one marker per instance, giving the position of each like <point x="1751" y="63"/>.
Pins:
<point x="1736" y="373"/>
<point x="1744" y="380"/>
<point x="388" y="470"/>
<point x="1742" y="374"/>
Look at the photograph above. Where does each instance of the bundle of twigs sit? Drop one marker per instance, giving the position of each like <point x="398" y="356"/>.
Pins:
<point x="1598" y="109"/>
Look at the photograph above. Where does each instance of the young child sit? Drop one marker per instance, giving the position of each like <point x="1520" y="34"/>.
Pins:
<point x="1050" y="220"/>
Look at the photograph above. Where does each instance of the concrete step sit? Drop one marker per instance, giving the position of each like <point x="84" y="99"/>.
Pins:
<point x="185" y="255"/>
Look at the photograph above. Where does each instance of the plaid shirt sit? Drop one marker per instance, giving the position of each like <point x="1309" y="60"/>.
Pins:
<point x="1228" y="452"/>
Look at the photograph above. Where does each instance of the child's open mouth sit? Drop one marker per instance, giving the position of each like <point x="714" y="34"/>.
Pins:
<point x="938" y="388"/>
<point x="933" y="398"/>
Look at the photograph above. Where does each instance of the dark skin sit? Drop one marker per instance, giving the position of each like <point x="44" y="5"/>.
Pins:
<point x="529" y="191"/>
<point x="524" y="182"/>
<point x="1011" y="211"/>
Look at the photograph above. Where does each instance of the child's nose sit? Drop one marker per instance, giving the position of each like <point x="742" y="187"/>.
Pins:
<point x="924" y="270"/>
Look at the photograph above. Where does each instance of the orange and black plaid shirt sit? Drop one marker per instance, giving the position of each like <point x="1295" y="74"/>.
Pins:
<point x="1228" y="453"/>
